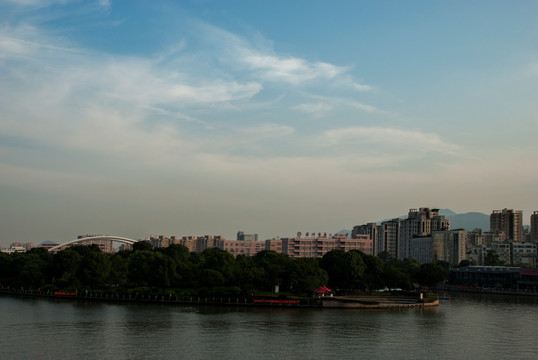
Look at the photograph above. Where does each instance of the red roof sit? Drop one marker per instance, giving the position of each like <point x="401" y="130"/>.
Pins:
<point x="322" y="289"/>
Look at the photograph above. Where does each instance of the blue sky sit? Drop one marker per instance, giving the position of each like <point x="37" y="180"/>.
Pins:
<point x="135" y="118"/>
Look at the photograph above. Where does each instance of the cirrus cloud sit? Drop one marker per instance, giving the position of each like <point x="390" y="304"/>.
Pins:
<point x="390" y="137"/>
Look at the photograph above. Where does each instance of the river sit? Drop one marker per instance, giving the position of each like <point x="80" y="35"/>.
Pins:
<point x="465" y="327"/>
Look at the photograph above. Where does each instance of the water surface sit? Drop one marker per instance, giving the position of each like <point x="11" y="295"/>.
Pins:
<point x="466" y="327"/>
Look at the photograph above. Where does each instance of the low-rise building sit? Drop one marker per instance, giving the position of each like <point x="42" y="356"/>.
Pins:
<point x="523" y="253"/>
<point x="243" y="247"/>
<point x="316" y="245"/>
<point x="493" y="277"/>
<point x="510" y="252"/>
<point x="13" y="249"/>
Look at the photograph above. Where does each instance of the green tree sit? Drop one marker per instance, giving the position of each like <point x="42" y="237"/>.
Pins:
<point x="17" y="262"/>
<point x="465" y="263"/>
<point x="32" y="274"/>
<point x="7" y="271"/>
<point x="249" y="276"/>
<point x="142" y="245"/>
<point x="211" y="278"/>
<point x="396" y="277"/>
<point x="179" y="256"/>
<point x="42" y="253"/>
<point x="94" y="270"/>
<point x="190" y="274"/>
<point x="373" y="274"/>
<point x="221" y="261"/>
<point x="65" y="265"/>
<point x="151" y="268"/>
<point x="275" y="267"/>
<point x="307" y="275"/>
<point x="385" y="256"/>
<point x="409" y="266"/>
<point x="493" y="259"/>
<point x="162" y="271"/>
<point x="178" y="253"/>
<point x="119" y="270"/>
<point x="431" y="274"/>
<point x="140" y="267"/>
<point x="345" y="269"/>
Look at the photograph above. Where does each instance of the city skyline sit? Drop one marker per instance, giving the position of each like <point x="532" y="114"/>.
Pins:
<point x="241" y="235"/>
<point x="132" y="118"/>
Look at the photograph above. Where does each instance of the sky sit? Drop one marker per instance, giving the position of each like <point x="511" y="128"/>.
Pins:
<point x="137" y="118"/>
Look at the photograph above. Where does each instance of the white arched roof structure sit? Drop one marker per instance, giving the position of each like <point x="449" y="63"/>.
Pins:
<point x="123" y="240"/>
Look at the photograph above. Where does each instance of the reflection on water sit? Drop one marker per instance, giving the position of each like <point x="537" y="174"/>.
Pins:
<point x="468" y="326"/>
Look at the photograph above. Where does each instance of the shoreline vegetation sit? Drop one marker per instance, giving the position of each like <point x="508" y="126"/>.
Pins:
<point x="174" y="274"/>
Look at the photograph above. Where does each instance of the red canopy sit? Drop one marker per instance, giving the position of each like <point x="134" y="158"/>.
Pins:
<point x="322" y="289"/>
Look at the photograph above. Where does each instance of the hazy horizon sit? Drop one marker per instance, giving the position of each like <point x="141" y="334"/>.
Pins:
<point x="137" y="118"/>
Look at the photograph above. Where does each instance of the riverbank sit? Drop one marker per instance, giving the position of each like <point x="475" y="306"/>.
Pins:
<point x="164" y="299"/>
<point x="375" y="302"/>
<point x="343" y="302"/>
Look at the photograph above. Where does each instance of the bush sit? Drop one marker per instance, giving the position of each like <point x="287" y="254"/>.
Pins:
<point x="431" y="297"/>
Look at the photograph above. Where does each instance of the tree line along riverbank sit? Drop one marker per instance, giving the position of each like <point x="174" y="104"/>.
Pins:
<point x="174" y="271"/>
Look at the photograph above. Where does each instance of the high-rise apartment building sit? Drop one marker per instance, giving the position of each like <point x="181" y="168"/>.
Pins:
<point x="419" y="223"/>
<point x="372" y="230"/>
<point x="389" y="236"/>
<point x="510" y="221"/>
<point x="449" y="245"/>
<point x="475" y="238"/>
<point x="534" y="227"/>
<point x="442" y="245"/>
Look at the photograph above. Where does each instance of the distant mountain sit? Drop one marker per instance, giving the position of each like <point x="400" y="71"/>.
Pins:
<point x="447" y="212"/>
<point x="469" y="221"/>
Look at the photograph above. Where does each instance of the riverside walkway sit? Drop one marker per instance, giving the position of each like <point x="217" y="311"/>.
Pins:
<point x="165" y="299"/>
<point x="356" y="302"/>
<point x="375" y="302"/>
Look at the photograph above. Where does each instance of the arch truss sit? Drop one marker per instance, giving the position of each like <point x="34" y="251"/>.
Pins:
<point x="123" y="240"/>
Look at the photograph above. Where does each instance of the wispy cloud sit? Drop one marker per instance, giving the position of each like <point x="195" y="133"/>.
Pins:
<point x="361" y="106"/>
<point x="90" y="97"/>
<point x="325" y="104"/>
<point x="291" y="70"/>
<point x="41" y="3"/>
<point x="26" y="41"/>
<point x="165" y="107"/>
<point x="361" y="87"/>
<point x="267" y="65"/>
<point x="316" y="109"/>
<point x="267" y="130"/>
<point x="104" y="3"/>
<point x="390" y="137"/>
